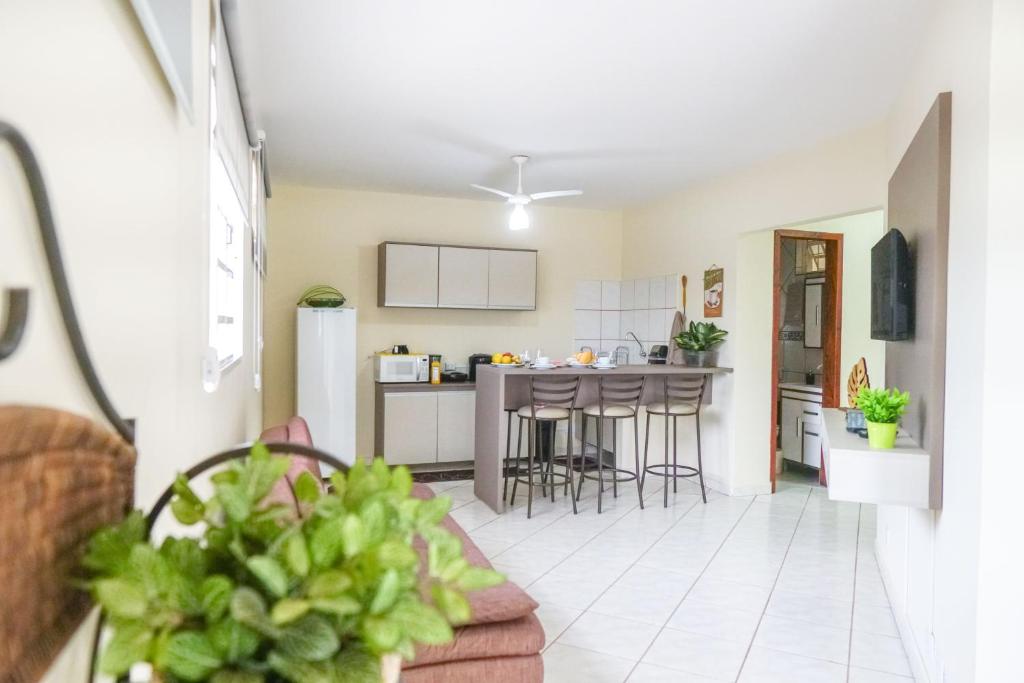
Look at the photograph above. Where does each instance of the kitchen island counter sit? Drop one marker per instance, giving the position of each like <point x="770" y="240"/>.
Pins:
<point x="498" y="389"/>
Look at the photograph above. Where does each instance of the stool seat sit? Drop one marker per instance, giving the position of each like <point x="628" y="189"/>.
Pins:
<point x="673" y="409"/>
<point x="544" y="413"/>
<point x="613" y="410"/>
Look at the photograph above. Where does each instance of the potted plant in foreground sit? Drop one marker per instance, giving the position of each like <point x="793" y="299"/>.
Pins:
<point x="882" y="409"/>
<point x="266" y="596"/>
<point x="698" y="343"/>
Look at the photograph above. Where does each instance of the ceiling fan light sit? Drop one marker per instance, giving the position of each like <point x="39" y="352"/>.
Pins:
<point x="519" y="220"/>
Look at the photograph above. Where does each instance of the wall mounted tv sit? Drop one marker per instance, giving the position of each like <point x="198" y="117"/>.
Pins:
<point x="892" y="288"/>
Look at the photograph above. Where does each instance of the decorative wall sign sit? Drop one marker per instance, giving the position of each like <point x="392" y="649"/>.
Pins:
<point x="714" y="283"/>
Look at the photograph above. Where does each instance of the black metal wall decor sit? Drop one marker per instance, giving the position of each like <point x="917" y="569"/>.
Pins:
<point x="17" y="305"/>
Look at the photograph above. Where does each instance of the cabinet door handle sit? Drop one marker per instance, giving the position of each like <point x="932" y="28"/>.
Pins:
<point x="807" y="433"/>
<point x="810" y="412"/>
<point x="796" y="426"/>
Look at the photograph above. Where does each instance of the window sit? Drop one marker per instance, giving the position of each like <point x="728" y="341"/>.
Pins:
<point x="231" y="209"/>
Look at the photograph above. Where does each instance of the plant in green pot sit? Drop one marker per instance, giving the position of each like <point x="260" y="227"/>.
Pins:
<point x="263" y="595"/>
<point x="882" y="410"/>
<point x="699" y="342"/>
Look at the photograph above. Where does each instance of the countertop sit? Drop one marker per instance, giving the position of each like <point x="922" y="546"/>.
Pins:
<point x="798" y="386"/>
<point x="425" y="386"/>
<point x="620" y="370"/>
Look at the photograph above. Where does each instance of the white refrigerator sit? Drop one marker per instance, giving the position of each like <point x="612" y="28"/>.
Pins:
<point x="325" y="352"/>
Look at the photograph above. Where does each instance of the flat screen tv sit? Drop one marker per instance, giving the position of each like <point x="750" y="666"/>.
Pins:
<point x="892" y="288"/>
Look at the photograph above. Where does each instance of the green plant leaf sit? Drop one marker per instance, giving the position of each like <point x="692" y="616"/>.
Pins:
<point x="452" y="604"/>
<point x="236" y="676"/>
<point x="328" y="584"/>
<point x="431" y="512"/>
<point x="191" y="656"/>
<point x="297" y="670"/>
<point x="110" y="547"/>
<point x="296" y="555"/>
<point x="341" y="606"/>
<point x="270" y="573"/>
<point x="260" y="472"/>
<point x="387" y="592"/>
<point x="356" y="665"/>
<point x="401" y="481"/>
<point x="183" y="490"/>
<point x="129" y="645"/>
<point x="353" y="536"/>
<point x="248" y="608"/>
<point x="288" y="610"/>
<point x="381" y="633"/>
<point x="307" y="488"/>
<point x="327" y="542"/>
<point x="236" y="503"/>
<point x="232" y="640"/>
<point x="311" y="639"/>
<point x="186" y="557"/>
<point x="396" y="555"/>
<point x="121" y="597"/>
<point x="422" y="622"/>
<point x="216" y="596"/>
<point x="477" y="578"/>
<point x="185" y="512"/>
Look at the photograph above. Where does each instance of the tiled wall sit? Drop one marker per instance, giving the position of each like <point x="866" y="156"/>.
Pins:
<point x="607" y="309"/>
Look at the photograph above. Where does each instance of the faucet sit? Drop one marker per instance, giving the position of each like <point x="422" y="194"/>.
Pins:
<point x="615" y="354"/>
<point x="643" y="354"/>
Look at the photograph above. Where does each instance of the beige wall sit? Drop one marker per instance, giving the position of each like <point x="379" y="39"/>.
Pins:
<point x="331" y="236"/>
<point x="127" y="178"/>
<point x="693" y="229"/>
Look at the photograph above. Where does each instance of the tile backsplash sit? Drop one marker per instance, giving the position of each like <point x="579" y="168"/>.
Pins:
<point x="606" y="310"/>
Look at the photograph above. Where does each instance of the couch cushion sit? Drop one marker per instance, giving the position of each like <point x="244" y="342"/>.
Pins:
<point x="518" y="637"/>
<point x="528" y="669"/>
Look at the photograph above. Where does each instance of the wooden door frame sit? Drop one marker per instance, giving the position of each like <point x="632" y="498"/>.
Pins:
<point x="832" y="335"/>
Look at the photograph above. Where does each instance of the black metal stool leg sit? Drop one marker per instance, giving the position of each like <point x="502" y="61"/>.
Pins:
<point x="615" y="458"/>
<point x="600" y="463"/>
<point x="665" y="478"/>
<point x="531" y="429"/>
<point x="583" y="455"/>
<point x="700" y="465"/>
<point x="519" y="462"/>
<point x="647" y="441"/>
<point x="675" y="449"/>
<point x="508" y="454"/>
<point x="636" y="460"/>
<point x="551" y="459"/>
<point x="570" y="484"/>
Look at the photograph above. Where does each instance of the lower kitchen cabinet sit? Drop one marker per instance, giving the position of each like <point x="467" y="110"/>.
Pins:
<point x="425" y="426"/>
<point x="410" y="428"/>
<point x="456" y="426"/>
<point x="800" y="426"/>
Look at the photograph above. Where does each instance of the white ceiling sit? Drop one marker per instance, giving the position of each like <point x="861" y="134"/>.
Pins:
<point x="627" y="100"/>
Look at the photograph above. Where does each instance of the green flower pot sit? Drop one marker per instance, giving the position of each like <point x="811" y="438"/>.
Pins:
<point x="881" y="434"/>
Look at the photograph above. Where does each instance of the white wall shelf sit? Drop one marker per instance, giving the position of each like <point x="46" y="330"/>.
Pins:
<point x="860" y="474"/>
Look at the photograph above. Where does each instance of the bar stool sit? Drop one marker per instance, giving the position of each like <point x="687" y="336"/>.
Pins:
<point x="682" y="397"/>
<point x="508" y="451"/>
<point x="551" y="400"/>
<point x="618" y="398"/>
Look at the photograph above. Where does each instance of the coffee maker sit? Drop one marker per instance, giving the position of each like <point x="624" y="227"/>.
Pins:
<point x="475" y="360"/>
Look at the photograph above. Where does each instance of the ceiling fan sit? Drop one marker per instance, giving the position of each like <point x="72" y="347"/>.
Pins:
<point x="520" y="220"/>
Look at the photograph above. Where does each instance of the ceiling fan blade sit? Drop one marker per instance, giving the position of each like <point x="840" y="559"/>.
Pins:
<point x="500" y="193"/>
<point x="556" y="193"/>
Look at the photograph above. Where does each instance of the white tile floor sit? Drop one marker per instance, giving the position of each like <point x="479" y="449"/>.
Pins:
<point x="770" y="588"/>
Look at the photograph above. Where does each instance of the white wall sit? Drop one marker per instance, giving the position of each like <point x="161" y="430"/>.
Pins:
<point x="127" y="178"/>
<point x="930" y="559"/>
<point x="330" y="236"/>
<point x="691" y="230"/>
<point x="1000" y="590"/>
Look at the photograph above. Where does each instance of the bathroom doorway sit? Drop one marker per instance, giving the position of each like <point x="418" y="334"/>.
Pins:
<point x="806" y="343"/>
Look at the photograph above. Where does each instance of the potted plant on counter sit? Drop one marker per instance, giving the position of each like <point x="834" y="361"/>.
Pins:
<point x="882" y="410"/>
<point x="263" y="595"/>
<point x="698" y="343"/>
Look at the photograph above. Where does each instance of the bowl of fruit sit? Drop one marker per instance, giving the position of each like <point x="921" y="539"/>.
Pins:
<point x="506" y="360"/>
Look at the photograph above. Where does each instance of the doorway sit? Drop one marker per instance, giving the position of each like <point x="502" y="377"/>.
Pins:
<point x="806" y="338"/>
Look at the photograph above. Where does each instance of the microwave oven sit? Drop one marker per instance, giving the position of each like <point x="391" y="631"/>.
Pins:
<point x="389" y="367"/>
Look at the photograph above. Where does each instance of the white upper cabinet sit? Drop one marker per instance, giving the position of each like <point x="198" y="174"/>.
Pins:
<point x="407" y="275"/>
<point x="462" y="277"/>
<point x="442" y="276"/>
<point x="513" y="279"/>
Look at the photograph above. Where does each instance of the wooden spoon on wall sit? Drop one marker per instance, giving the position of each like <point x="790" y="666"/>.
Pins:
<point x="682" y="309"/>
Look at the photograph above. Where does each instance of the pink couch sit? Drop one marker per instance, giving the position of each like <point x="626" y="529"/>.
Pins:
<point x="503" y="640"/>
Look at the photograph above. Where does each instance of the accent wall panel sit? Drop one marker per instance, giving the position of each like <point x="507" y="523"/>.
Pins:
<point x="919" y="207"/>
